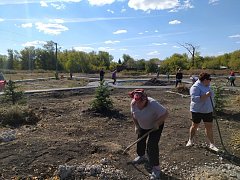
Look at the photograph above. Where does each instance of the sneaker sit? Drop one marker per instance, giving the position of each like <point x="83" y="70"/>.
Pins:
<point x="189" y="143"/>
<point x="155" y="174"/>
<point x="139" y="160"/>
<point x="213" y="147"/>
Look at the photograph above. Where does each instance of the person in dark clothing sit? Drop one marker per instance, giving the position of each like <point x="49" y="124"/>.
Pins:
<point x="179" y="77"/>
<point x="232" y="78"/>
<point x="114" y="76"/>
<point x="102" y="74"/>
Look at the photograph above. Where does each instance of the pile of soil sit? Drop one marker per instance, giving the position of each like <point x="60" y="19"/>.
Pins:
<point x="156" y="82"/>
<point x="72" y="143"/>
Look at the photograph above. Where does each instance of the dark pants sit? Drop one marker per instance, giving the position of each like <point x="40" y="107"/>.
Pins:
<point x="151" y="145"/>
<point x="178" y="81"/>
<point x="232" y="83"/>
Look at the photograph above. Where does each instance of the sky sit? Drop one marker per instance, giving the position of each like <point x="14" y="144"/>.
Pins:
<point x="143" y="29"/>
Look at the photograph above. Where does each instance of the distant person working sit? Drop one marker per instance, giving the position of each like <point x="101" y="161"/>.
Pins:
<point x="179" y="77"/>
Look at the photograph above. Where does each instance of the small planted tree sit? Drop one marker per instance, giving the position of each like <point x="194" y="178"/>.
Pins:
<point x="218" y="99"/>
<point x="102" y="102"/>
<point x="10" y="93"/>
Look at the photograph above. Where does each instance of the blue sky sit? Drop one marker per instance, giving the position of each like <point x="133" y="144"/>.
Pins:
<point x="140" y="28"/>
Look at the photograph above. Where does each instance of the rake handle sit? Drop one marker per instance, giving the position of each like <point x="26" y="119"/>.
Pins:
<point x="139" y="139"/>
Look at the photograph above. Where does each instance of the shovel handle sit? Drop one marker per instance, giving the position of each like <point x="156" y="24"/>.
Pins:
<point x="139" y="139"/>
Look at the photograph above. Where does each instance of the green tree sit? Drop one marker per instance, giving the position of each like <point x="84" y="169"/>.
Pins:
<point x="10" y="93"/>
<point x="102" y="102"/>
<point x="151" y="65"/>
<point x="10" y="59"/>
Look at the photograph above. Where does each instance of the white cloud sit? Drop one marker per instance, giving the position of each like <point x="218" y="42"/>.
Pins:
<point x="159" y="44"/>
<point x="84" y="48"/>
<point x="1" y="20"/>
<point x="235" y="36"/>
<point x="120" y="31"/>
<point x="146" y="5"/>
<point x="111" y="42"/>
<point x="105" y="49"/>
<point x="27" y="25"/>
<point x="100" y="2"/>
<point x="58" y="21"/>
<point x="43" y="4"/>
<point x="110" y="11"/>
<point x="176" y="47"/>
<point x="58" y="6"/>
<point x="213" y="2"/>
<point x="34" y="43"/>
<point x="50" y="28"/>
<point x="186" y="5"/>
<point x="175" y="22"/>
<point x="153" y="53"/>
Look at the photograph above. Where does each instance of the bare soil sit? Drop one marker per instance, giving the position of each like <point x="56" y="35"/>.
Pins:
<point x="69" y="134"/>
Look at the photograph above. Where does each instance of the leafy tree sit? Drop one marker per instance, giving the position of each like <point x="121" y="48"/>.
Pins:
<point x="129" y="61"/>
<point x="174" y="62"/>
<point x="3" y="61"/>
<point x="151" y="66"/>
<point x="234" y="62"/>
<point x="141" y="64"/>
<point x="27" y="58"/>
<point x="10" y="59"/>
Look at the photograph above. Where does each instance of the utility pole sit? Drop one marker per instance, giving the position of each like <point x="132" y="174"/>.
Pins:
<point x="56" y="74"/>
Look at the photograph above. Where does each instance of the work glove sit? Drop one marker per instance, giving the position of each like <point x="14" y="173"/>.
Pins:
<point x="137" y="129"/>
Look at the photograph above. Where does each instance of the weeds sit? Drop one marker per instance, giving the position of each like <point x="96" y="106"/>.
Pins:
<point x="17" y="115"/>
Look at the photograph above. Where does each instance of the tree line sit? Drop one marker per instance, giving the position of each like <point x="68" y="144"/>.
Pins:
<point x="49" y="57"/>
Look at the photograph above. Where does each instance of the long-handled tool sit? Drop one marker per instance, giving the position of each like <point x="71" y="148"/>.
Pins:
<point x="139" y="139"/>
<point x="218" y="126"/>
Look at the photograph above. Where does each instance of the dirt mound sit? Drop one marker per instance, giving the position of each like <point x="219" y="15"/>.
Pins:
<point x="157" y="82"/>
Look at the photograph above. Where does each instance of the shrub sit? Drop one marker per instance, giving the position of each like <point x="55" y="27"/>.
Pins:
<point x="102" y="101"/>
<point x="17" y="115"/>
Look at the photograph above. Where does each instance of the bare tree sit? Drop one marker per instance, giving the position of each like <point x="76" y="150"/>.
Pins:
<point x="191" y="49"/>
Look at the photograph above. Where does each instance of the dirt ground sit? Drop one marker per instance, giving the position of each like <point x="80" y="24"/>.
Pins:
<point x="68" y="134"/>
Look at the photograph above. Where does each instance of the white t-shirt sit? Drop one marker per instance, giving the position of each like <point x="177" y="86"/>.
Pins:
<point x="148" y="116"/>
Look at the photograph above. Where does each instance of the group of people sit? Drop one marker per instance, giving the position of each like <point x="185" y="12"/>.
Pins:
<point x="148" y="114"/>
<point x="114" y="75"/>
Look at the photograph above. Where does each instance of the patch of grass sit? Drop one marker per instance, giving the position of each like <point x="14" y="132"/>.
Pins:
<point x="17" y="115"/>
